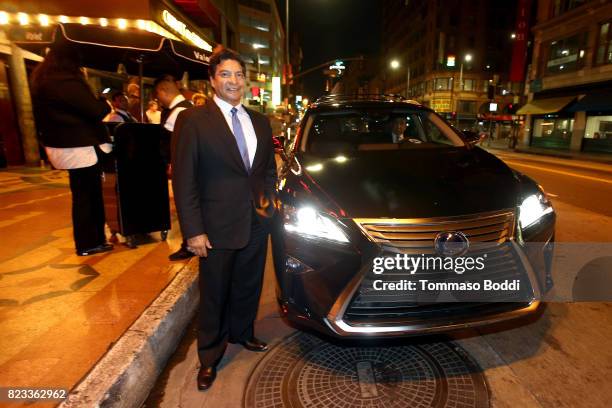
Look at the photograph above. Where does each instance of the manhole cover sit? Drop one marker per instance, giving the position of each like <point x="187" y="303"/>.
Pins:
<point x="305" y="371"/>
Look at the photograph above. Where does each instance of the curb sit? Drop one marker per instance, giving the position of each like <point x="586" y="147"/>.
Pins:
<point x="124" y="376"/>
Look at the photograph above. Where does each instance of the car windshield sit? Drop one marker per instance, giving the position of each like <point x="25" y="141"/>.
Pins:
<point x="376" y="129"/>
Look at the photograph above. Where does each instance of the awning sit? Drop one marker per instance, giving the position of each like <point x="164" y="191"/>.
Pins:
<point x="104" y="48"/>
<point x="543" y="106"/>
<point x="596" y="101"/>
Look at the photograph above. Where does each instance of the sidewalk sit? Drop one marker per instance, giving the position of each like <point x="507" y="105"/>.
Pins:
<point x="60" y="313"/>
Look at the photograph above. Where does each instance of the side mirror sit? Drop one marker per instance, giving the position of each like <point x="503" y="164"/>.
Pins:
<point x="472" y="137"/>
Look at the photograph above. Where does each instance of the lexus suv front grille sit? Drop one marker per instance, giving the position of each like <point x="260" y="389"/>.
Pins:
<point x="417" y="235"/>
<point x="488" y="233"/>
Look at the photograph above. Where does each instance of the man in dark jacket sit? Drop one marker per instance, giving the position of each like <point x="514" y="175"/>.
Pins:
<point x="224" y="178"/>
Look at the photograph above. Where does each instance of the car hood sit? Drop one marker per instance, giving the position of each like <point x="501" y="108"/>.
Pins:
<point x="409" y="183"/>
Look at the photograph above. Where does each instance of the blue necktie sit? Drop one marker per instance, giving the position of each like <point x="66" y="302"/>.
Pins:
<point x="239" y="135"/>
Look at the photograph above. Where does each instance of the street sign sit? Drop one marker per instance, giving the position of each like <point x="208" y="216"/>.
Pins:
<point x="338" y="66"/>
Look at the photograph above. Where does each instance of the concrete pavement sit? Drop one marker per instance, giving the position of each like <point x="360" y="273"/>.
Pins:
<point x="60" y="313"/>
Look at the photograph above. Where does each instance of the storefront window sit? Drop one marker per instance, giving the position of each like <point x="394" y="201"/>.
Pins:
<point x="598" y="134"/>
<point x="552" y="133"/>
<point x="604" y="45"/>
<point x="598" y="127"/>
<point x="554" y="127"/>
<point x="567" y="55"/>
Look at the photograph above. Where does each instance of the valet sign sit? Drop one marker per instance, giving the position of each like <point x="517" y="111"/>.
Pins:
<point x="181" y="29"/>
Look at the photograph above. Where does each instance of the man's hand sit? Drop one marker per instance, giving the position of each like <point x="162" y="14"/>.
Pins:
<point x="199" y="245"/>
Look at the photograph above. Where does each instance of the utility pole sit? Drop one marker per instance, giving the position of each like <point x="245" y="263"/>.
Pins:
<point x="287" y="55"/>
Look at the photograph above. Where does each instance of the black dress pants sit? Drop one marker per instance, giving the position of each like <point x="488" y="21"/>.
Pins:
<point x="87" y="207"/>
<point x="230" y="287"/>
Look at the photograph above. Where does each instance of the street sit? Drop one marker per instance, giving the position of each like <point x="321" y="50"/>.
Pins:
<point x="559" y="357"/>
<point x="587" y="187"/>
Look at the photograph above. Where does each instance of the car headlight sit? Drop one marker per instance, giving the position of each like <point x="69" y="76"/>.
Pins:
<point x="533" y="208"/>
<point x="306" y="221"/>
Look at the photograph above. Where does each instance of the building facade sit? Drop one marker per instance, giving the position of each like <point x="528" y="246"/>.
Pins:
<point x="453" y="58"/>
<point x="570" y="79"/>
<point x="262" y="42"/>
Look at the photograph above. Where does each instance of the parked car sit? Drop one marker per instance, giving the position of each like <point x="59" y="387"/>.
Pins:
<point x="378" y="177"/>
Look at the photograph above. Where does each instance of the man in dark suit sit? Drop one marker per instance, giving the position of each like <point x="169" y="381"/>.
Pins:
<point x="224" y="187"/>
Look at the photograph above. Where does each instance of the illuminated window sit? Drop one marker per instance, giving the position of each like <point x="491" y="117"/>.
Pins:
<point x="441" y="84"/>
<point x="604" y="45"/>
<point x="567" y="54"/>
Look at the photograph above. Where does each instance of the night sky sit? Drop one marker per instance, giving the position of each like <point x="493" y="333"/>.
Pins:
<point x="330" y="29"/>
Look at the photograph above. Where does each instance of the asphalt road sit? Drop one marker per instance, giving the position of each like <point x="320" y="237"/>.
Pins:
<point x="563" y="180"/>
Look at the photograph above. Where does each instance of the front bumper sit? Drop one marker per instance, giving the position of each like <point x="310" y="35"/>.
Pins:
<point x="323" y="288"/>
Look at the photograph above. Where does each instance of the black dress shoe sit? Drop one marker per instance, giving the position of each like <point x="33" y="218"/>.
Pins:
<point x="182" y="253"/>
<point x="95" y="250"/>
<point x="206" y="377"/>
<point x="254" y="344"/>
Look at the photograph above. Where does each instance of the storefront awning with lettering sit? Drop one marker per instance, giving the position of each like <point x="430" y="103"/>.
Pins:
<point x="104" y="48"/>
<point x="597" y="101"/>
<point x="544" y="106"/>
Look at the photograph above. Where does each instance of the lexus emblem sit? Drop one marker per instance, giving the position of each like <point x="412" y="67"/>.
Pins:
<point x="451" y="243"/>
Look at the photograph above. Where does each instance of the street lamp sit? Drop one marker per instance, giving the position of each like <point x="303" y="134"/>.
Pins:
<point x="394" y="64"/>
<point x="467" y="58"/>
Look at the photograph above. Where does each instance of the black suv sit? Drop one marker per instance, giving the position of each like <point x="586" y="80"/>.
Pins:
<point x="394" y="223"/>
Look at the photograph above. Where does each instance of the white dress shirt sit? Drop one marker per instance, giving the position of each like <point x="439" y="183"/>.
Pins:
<point x="115" y="116"/>
<point x="169" y="125"/>
<point x="245" y="121"/>
<point x="153" y="116"/>
<point x="66" y="158"/>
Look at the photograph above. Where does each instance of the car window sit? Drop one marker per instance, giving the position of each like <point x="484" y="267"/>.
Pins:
<point x="376" y="129"/>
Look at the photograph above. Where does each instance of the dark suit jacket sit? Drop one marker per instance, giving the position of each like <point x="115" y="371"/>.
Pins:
<point x="214" y="193"/>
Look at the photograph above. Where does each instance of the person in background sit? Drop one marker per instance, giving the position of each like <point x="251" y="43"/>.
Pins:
<point x="198" y="99"/>
<point x="120" y="113"/>
<point x="69" y="122"/>
<point x="153" y="113"/>
<point x="397" y="130"/>
<point x="169" y="96"/>
<point x="133" y="95"/>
